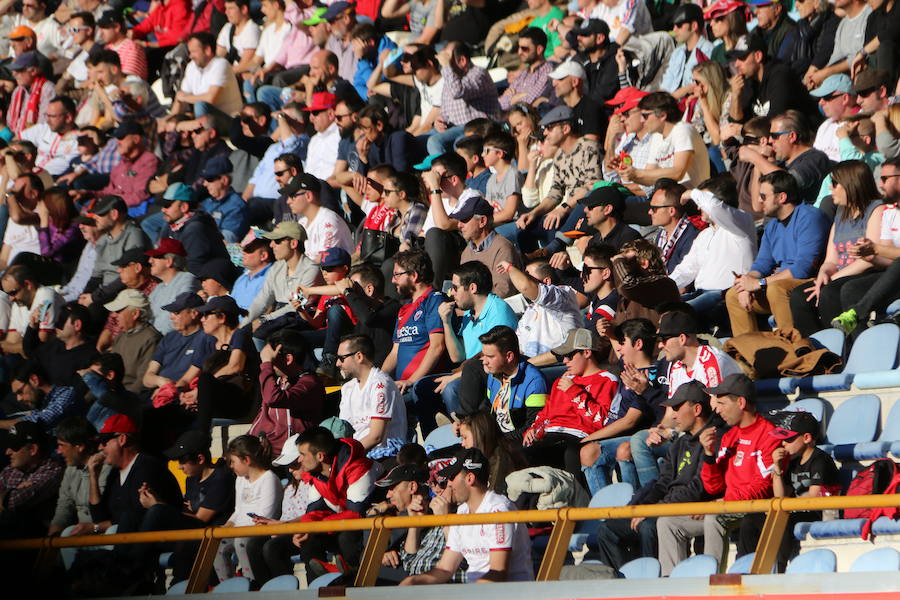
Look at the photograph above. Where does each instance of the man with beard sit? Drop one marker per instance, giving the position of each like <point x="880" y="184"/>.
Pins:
<point x="46" y="404"/>
<point x="75" y="444"/>
<point x="195" y="229"/>
<point x="56" y="140"/>
<point x="597" y="54"/>
<point x="531" y="85"/>
<point x="72" y="349"/>
<point x="33" y="305"/>
<point x="370" y="401"/>
<point x="418" y="347"/>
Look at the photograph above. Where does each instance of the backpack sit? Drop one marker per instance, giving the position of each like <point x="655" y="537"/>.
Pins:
<point x="881" y="477"/>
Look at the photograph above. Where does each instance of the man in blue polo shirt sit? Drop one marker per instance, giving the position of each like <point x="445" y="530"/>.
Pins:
<point x="256" y="256"/>
<point x="223" y="204"/>
<point x="475" y="310"/>
<point x="419" y="346"/>
<point x="792" y="246"/>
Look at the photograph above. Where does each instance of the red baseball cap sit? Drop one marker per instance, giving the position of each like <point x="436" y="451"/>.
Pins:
<point x="626" y="99"/>
<point x="116" y="425"/>
<point x="722" y="8"/>
<point x="167" y="246"/>
<point x="321" y="101"/>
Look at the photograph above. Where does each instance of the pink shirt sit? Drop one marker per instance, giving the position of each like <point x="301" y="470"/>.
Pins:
<point x="296" y="50"/>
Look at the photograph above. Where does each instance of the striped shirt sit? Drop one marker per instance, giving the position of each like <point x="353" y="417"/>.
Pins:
<point x="132" y="57"/>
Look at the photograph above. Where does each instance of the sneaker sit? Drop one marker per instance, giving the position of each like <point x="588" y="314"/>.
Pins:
<point x="846" y="321"/>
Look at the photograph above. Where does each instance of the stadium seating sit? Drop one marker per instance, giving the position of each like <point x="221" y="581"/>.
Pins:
<point x="874" y="352"/>
<point x="641" y="568"/>
<point x="617" y="494"/>
<point x="831" y="338"/>
<point x="282" y="583"/>
<point x="854" y="422"/>
<point x="702" y="565"/>
<point x="323" y="580"/>
<point x="820" y="560"/>
<point x="742" y="565"/>
<point x="442" y="437"/>
<point x="178" y="588"/>
<point x="232" y="585"/>
<point x="879" y="559"/>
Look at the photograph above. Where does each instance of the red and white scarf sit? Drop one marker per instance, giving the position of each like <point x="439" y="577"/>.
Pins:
<point x="19" y="120"/>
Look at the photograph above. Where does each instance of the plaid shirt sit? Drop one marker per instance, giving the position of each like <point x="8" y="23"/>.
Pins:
<point x="431" y="547"/>
<point x="104" y="161"/>
<point x="60" y="402"/>
<point x="534" y="84"/>
<point x="471" y="96"/>
<point x="20" y="489"/>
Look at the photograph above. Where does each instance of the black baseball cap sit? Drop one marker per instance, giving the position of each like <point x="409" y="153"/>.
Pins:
<point x="736" y="384"/>
<point x="189" y="443"/>
<point x="742" y="51"/>
<point x="26" y="432"/>
<point x="107" y="203"/>
<point x="128" y="127"/>
<point x="471" y="460"/>
<point x="221" y="270"/>
<point x="135" y="255"/>
<point x="690" y="391"/>
<point x="686" y="13"/>
<point x="110" y="18"/>
<point x="676" y="323"/>
<point x="592" y="27"/>
<point x="301" y="182"/>
<point x="416" y="473"/>
<point x="793" y="423"/>
<point x="603" y="196"/>
<point x="475" y="206"/>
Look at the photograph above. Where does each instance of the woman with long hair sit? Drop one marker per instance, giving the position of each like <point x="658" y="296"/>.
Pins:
<point x="858" y="215"/>
<point x="728" y="21"/>
<point x="58" y="235"/>
<point x="257" y="491"/>
<point x="524" y="125"/>
<point x="709" y="115"/>
<point x="403" y="193"/>
<point x="481" y="431"/>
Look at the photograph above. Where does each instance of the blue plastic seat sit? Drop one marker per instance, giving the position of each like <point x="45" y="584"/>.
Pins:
<point x="233" y="585"/>
<point x="854" y="422"/>
<point x="831" y="338"/>
<point x="820" y="560"/>
<point x="165" y="560"/>
<point x="885" y="526"/>
<point x="889" y="438"/>
<point x="177" y="588"/>
<point x="282" y="583"/>
<point x="893" y="308"/>
<point x="442" y="437"/>
<point x="641" y="568"/>
<point x="879" y="559"/>
<point x="742" y="565"/>
<point x="702" y="565"/>
<point x="323" y="580"/>
<point x="838" y="528"/>
<point x="874" y="352"/>
<point x="801" y="530"/>
<point x="616" y="494"/>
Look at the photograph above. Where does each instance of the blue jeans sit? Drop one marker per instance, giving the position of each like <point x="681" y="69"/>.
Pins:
<point x="568" y="224"/>
<point x="704" y="300"/>
<point x="509" y="231"/>
<point x="153" y="226"/>
<point x="270" y="95"/>
<point x="424" y="402"/>
<point x="442" y="141"/>
<point x="598" y="475"/>
<point x="644" y="458"/>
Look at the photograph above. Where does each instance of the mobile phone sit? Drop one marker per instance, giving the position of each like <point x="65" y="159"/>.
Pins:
<point x="447" y="287"/>
<point x="254" y="516"/>
<point x="45" y="308"/>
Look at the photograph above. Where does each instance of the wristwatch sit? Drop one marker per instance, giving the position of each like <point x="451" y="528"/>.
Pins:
<point x="762" y="282"/>
<point x="438" y="192"/>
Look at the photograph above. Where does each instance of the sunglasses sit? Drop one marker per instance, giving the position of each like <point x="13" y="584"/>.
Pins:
<point x="656" y="208"/>
<point x="884" y="179"/>
<point x="750" y="140"/>
<point x="342" y="357"/>
<point x="281" y="172"/>
<point x="279" y="240"/>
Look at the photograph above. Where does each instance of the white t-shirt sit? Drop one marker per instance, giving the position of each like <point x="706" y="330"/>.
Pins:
<point x="429" y="95"/>
<point x="890" y="224"/>
<point x="54" y="152"/>
<point x="710" y="367"/>
<point x="47" y="301"/>
<point x="326" y="231"/>
<point x="379" y="398"/>
<point x="262" y="497"/>
<point x="632" y="15"/>
<point x="683" y="137"/>
<point x="246" y="39"/>
<point x="270" y="42"/>
<point x="451" y="209"/>
<point x="21" y="238"/>
<point x="827" y="141"/>
<point x="475" y="542"/>
<point x="217" y="72"/>
<point x="547" y="321"/>
<point x="78" y="67"/>
<point x="5" y="312"/>
<point x="322" y="153"/>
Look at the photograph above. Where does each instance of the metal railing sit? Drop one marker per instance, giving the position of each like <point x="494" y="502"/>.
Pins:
<point x="564" y="522"/>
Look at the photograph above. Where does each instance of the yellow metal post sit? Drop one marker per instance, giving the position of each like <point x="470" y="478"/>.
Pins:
<point x="770" y="539"/>
<point x="373" y="553"/>
<point x="203" y="563"/>
<point x="557" y="547"/>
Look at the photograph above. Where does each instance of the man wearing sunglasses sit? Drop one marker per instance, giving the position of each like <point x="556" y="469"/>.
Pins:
<point x="837" y="101"/>
<point x="872" y="91"/>
<point x="531" y="85"/>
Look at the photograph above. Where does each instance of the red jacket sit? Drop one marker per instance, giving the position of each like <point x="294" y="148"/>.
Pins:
<point x="580" y="408"/>
<point x="287" y="410"/>
<point x="349" y="465"/>
<point x="168" y="22"/>
<point x="743" y="467"/>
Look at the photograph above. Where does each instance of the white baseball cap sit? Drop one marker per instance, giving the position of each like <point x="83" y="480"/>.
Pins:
<point x="289" y="452"/>
<point x="570" y="68"/>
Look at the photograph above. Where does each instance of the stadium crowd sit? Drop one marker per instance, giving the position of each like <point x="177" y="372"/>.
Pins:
<point x="530" y="223"/>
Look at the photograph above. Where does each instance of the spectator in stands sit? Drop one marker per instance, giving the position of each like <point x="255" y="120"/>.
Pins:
<point x="256" y="256"/>
<point x="23" y="39"/>
<point x="678" y="339"/>
<point x="132" y="470"/>
<point x="678" y="153"/>
<point x="624" y="18"/>
<point x="859" y="215"/>
<point x="31" y="98"/>
<point x="727" y="22"/>
<point x="167" y="264"/>
<point x="56" y="139"/>
<point x="791" y="245"/>
<point x="596" y="53"/>
<point x="418" y="343"/>
<point x="370" y="401"/>
<point x="469" y="93"/>
<point x="238" y="39"/>
<point x="70" y="350"/>
<point x="740" y="469"/>
<point x="676" y="231"/>
<point x="471" y="148"/>
<point x="692" y="48"/>
<point x="139" y="338"/>
<point x="480" y="430"/>
<point x="129" y="178"/>
<point x="21" y="234"/>
<point x="368" y="45"/>
<point x="216" y="278"/>
<point x="103" y="379"/>
<point x="530" y="85"/>
<point x="75" y="443"/>
<point x="169" y="23"/>
<point x="776" y="29"/>
<point x="209" y="86"/>
<point x="726" y="247"/>
<point x="58" y="235"/>
<point x="621" y="540"/>
<point x="113" y="33"/>
<point x="837" y="102"/>
<point x="33" y="305"/>
<point x="224" y="205"/>
<point x="194" y="228"/>
<point x="325" y="229"/>
<point x="118" y="235"/>
<point x="604" y="212"/>
<point x="577" y="406"/>
<point x="569" y="85"/>
<point x="764" y="87"/>
<point x="323" y="146"/>
<point x="871" y="89"/>
<point x="508" y="558"/>
<point x="43" y="402"/>
<point x="292" y="398"/>
<point x="29" y="484"/>
<point x="485" y="245"/>
<point x="291" y="269"/>
<point x="848" y="41"/>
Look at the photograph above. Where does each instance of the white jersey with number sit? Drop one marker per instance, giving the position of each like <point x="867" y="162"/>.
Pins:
<point x="380" y="399"/>
<point x="710" y="367"/>
<point x="475" y="542"/>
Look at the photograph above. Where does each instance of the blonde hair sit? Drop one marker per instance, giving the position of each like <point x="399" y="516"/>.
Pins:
<point x="716" y="85"/>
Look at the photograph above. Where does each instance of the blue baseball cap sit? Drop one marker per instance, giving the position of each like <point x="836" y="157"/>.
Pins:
<point x="184" y="300"/>
<point x="216" y="167"/>
<point x="335" y="257"/>
<point x="834" y="84"/>
<point x="336" y="9"/>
